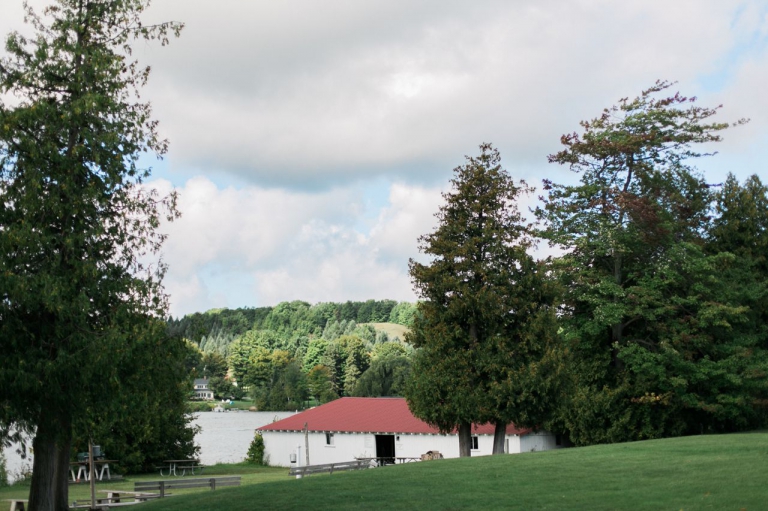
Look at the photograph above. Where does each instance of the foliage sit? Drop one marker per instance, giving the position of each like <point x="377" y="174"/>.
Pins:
<point x="149" y="422"/>
<point x="224" y="389"/>
<point x="283" y="385"/>
<point x="288" y="323"/>
<point x="320" y="384"/>
<point x="387" y="376"/>
<point x="76" y="224"/>
<point x="485" y="318"/>
<point x="3" y="471"/>
<point x="256" y="450"/>
<point x="661" y="340"/>
<point x="213" y="364"/>
<point x="403" y="313"/>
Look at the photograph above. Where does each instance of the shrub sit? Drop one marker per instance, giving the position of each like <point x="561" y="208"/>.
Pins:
<point x="3" y="471"/>
<point x="256" y="450"/>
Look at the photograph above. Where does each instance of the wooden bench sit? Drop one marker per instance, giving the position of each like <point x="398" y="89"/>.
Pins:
<point x="17" y="504"/>
<point x="102" y="504"/>
<point x="119" y="496"/>
<point x="329" y="467"/>
<point x="180" y="484"/>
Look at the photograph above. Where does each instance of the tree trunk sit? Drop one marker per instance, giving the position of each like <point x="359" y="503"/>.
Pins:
<point x="61" y="474"/>
<point x="49" y="490"/>
<point x="499" y="436"/>
<point x="41" y="491"/>
<point x="465" y="440"/>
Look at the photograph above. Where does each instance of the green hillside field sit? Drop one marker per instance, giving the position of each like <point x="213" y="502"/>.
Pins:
<point x="702" y="472"/>
<point x="391" y="329"/>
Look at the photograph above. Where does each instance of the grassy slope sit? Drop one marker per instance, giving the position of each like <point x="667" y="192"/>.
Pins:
<point x="705" y="472"/>
<point x="392" y="329"/>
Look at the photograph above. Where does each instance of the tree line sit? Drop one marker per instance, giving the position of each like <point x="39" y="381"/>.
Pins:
<point x="291" y="322"/>
<point x="294" y="353"/>
<point x="653" y="321"/>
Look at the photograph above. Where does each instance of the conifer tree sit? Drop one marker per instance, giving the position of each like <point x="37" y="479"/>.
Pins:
<point x="651" y="320"/>
<point x="75" y="222"/>
<point x="480" y="293"/>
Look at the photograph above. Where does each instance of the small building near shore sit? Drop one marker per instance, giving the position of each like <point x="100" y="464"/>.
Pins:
<point x="366" y="427"/>
<point x="202" y="390"/>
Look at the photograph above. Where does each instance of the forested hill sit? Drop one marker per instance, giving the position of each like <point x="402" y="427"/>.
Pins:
<point x="289" y="325"/>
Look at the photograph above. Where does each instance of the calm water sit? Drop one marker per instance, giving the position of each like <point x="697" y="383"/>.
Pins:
<point x="224" y="437"/>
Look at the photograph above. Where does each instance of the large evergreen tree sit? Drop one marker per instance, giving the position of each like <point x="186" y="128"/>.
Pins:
<point x="480" y="294"/>
<point x="647" y="313"/>
<point x="75" y="223"/>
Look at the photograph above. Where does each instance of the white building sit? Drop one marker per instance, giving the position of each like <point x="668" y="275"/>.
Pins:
<point x="365" y="427"/>
<point x="202" y="391"/>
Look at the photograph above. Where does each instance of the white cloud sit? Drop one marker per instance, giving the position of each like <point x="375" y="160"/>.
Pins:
<point x="299" y="94"/>
<point x="272" y="245"/>
<point x="304" y="104"/>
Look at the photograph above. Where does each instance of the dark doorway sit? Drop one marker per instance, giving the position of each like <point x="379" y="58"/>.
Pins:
<point x="385" y="449"/>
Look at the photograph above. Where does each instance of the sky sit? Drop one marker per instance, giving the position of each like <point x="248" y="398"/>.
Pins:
<point x="310" y="140"/>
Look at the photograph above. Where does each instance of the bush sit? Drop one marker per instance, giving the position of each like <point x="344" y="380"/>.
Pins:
<point x="198" y="406"/>
<point x="3" y="470"/>
<point x="256" y="450"/>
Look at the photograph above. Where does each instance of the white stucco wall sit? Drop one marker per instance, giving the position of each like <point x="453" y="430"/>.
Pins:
<point x="279" y="445"/>
<point x="538" y="441"/>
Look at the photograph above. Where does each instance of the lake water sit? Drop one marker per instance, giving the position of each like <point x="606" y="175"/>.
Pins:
<point x="224" y="438"/>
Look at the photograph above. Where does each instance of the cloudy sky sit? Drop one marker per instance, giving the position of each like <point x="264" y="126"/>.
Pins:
<point x="310" y="139"/>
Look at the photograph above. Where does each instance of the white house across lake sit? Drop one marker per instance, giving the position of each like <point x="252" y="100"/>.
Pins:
<point x="368" y="427"/>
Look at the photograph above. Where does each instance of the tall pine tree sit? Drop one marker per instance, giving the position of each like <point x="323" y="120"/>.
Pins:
<point x="647" y="313"/>
<point x="481" y="294"/>
<point x="75" y="222"/>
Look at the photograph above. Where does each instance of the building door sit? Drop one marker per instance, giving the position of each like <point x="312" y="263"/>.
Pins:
<point x="385" y="449"/>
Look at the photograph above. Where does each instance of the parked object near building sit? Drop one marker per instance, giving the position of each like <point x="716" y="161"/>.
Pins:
<point x="382" y="428"/>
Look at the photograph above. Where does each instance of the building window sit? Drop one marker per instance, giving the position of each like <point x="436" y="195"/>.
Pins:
<point x="475" y="441"/>
<point x="329" y="439"/>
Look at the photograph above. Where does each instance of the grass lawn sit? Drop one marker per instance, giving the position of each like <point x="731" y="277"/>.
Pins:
<point x="728" y="472"/>
<point x="207" y="406"/>
<point x="704" y="472"/>
<point x="251" y="474"/>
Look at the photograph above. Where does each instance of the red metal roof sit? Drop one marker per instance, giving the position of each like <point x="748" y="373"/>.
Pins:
<point x="368" y="415"/>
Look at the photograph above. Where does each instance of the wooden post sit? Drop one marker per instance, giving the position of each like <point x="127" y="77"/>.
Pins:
<point x="162" y="489"/>
<point x="306" y="443"/>
<point x="213" y="483"/>
<point x="91" y="473"/>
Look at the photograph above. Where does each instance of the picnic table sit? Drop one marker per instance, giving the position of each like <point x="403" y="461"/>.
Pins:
<point x="173" y="466"/>
<point x="84" y="473"/>
<point x="389" y="460"/>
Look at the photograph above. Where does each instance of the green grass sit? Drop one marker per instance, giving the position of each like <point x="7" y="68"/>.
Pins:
<point x="207" y="406"/>
<point x="251" y="474"/>
<point x="705" y="472"/>
<point x="728" y="472"/>
<point x="392" y="329"/>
